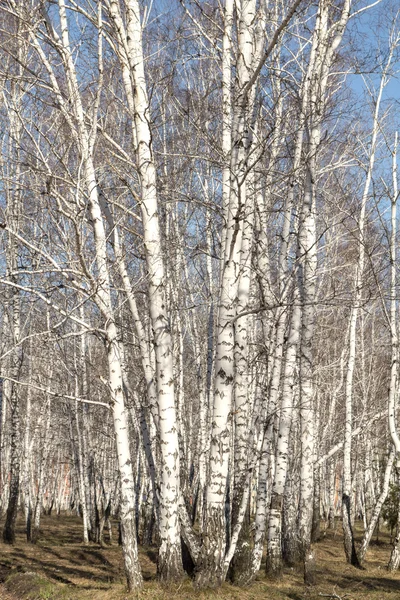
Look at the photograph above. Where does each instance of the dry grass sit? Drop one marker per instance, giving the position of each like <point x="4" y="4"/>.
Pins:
<point x="60" y="567"/>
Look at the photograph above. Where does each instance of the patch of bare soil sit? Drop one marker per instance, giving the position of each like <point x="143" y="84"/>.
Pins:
<point x="61" y="567"/>
<point x="4" y="595"/>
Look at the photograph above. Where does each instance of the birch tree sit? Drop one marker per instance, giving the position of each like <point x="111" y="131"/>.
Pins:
<point x="72" y="109"/>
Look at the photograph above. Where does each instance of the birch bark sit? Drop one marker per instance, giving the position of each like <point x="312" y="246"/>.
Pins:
<point x="274" y="555"/>
<point x="394" y="560"/>
<point x="326" y="39"/>
<point x="26" y="471"/>
<point x="130" y="50"/>
<point x="377" y="508"/>
<point x="350" y="550"/>
<point x="13" y="185"/>
<point x="210" y="571"/>
<point x="37" y="511"/>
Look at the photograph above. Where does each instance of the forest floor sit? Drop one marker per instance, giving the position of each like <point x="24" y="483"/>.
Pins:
<point x="60" y="567"/>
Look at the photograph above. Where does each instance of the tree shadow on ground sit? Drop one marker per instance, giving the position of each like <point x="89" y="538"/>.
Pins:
<point x="66" y="573"/>
<point x="5" y="571"/>
<point x="383" y="584"/>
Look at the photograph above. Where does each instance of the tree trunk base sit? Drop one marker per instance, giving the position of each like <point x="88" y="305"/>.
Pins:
<point x="273" y="567"/>
<point x="394" y="560"/>
<point x="291" y="550"/>
<point x="209" y="571"/>
<point x="129" y="551"/>
<point x="241" y="571"/>
<point x="9" y="535"/>
<point x="309" y="567"/>
<point x="169" y="564"/>
<point x="35" y="534"/>
<point x="11" y="517"/>
<point x="348" y="536"/>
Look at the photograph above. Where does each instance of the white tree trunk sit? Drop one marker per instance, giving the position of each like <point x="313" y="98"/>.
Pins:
<point x="378" y="507"/>
<point x="131" y="55"/>
<point x="274" y="552"/>
<point x="350" y="550"/>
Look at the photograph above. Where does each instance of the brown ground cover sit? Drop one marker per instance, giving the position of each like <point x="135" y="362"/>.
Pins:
<point x="60" y="567"/>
